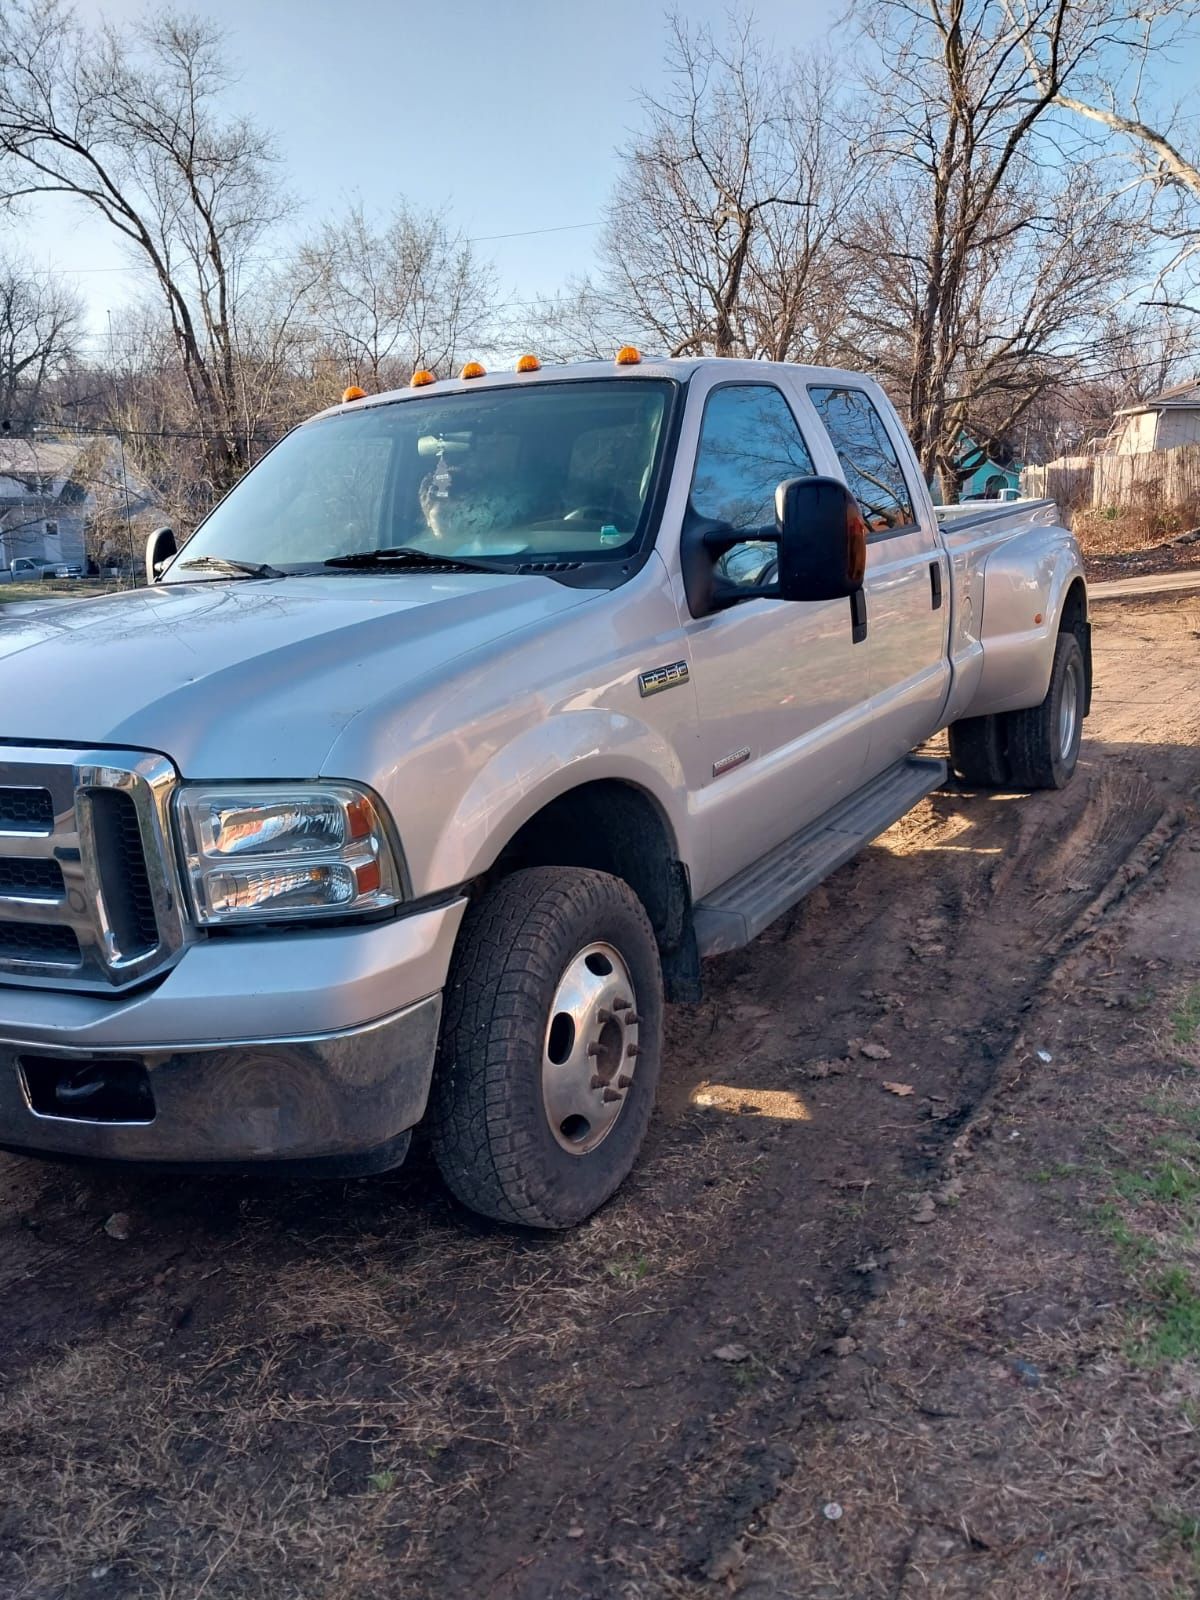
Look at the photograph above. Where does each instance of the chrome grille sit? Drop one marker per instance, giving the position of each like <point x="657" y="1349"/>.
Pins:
<point x="88" y="893"/>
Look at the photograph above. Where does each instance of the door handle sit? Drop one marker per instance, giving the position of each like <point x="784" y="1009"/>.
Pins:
<point x="935" y="584"/>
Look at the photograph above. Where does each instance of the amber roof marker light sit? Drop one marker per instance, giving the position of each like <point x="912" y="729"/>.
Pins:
<point x="628" y="356"/>
<point x="528" y="364"/>
<point x="474" y="369"/>
<point x="420" y="378"/>
<point x="353" y="392"/>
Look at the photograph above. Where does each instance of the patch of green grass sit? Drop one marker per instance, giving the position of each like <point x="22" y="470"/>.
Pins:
<point x="382" y="1482"/>
<point x="1172" y="1182"/>
<point x="1057" y="1169"/>
<point x="1177" y="1305"/>
<point x="1133" y="1247"/>
<point x="1180" y="1112"/>
<point x="627" y="1270"/>
<point x="1186" y="1529"/>
<point x="1185" y="1019"/>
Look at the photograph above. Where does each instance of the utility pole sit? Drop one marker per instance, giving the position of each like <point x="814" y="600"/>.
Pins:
<point x="112" y="367"/>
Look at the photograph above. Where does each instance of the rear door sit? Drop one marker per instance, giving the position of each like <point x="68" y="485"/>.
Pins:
<point x="907" y="584"/>
<point x="780" y="686"/>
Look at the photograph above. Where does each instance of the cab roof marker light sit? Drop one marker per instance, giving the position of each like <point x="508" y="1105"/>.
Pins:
<point x="474" y="369"/>
<point x="528" y="364"/>
<point x="420" y="378"/>
<point x="353" y="392"/>
<point x="628" y="356"/>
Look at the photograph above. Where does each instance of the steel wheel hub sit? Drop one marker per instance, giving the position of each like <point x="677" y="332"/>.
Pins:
<point x="1068" y="713"/>
<point x="591" y="1048"/>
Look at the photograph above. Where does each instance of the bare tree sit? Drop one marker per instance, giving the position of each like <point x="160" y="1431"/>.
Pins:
<point x="1115" y="45"/>
<point x="40" y="323"/>
<point x="383" y="299"/>
<point x="989" y="248"/>
<point x="128" y="122"/>
<point x="723" y="220"/>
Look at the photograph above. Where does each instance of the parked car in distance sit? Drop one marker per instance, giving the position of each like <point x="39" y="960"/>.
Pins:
<point x="27" y="569"/>
<point x="460" y="731"/>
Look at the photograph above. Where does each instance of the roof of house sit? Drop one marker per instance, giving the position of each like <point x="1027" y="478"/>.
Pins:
<point x="1179" y="397"/>
<point x="66" y="469"/>
<point x="39" y="465"/>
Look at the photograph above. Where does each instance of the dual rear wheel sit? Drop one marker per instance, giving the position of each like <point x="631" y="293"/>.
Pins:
<point x="1033" y="749"/>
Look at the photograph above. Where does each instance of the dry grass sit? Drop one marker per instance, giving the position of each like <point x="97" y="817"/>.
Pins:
<point x="1117" y="530"/>
<point x="1024" y="1419"/>
<point x="322" y="1421"/>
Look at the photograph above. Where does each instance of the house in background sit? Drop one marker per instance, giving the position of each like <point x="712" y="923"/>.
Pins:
<point x="56" y="488"/>
<point x="986" y="479"/>
<point x="1161" y="423"/>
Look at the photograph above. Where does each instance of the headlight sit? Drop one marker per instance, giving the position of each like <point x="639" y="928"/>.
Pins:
<point x="255" y="851"/>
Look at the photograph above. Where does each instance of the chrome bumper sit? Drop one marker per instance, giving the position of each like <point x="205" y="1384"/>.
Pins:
<point x="346" y="1098"/>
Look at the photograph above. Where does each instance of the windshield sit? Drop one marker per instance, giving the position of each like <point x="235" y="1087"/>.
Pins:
<point x="551" y="471"/>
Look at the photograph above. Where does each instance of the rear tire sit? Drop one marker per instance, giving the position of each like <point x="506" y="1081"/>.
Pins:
<point x="977" y="752"/>
<point x="1043" y="742"/>
<point x="539" y="1104"/>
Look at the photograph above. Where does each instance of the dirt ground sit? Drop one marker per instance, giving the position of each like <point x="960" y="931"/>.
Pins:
<point x="834" y="1339"/>
<point x="1167" y="555"/>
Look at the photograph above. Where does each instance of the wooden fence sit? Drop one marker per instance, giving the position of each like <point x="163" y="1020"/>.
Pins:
<point x="1156" y="477"/>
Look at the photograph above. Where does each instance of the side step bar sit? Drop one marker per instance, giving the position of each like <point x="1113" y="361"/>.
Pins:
<point x="742" y="907"/>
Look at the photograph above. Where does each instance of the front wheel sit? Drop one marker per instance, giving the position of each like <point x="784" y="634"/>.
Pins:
<point x="551" y="1045"/>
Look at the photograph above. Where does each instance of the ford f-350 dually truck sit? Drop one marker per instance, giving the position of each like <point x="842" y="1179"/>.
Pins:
<point x="463" y="727"/>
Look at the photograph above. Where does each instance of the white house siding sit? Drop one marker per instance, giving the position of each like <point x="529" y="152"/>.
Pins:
<point x="1177" y="427"/>
<point x="1138" y="434"/>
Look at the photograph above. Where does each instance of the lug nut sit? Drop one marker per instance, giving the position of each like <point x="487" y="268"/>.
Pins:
<point x="632" y="1020"/>
<point x="611" y="1094"/>
<point x="593" y="1050"/>
<point x="598" y="1082"/>
<point x="623" y="1080"/>
<point x="633" y="1050"/>
<point x="620" y="1005"/>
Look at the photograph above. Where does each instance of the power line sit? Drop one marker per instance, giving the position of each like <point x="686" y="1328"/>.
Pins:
<point x="477" y="238"/>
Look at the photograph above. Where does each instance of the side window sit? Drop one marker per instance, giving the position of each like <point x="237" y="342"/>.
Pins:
<point x="868" y="457"/>
<point x="749" y="444"/>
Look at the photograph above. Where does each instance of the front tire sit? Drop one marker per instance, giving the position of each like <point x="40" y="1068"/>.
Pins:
<point x="551" y="1047"/>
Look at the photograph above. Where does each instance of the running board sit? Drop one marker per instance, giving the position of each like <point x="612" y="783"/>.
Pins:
<point x="743" y="906"/>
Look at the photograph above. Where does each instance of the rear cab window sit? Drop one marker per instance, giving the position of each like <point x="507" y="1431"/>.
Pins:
<point x="874" y="473"/>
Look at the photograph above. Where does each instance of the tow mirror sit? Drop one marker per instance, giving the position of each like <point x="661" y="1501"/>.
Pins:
<point x="822" y="540"/>
<point x="160" y="547"/>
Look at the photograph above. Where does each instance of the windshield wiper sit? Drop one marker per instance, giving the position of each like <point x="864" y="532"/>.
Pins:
<point x="404" y="555"/>
<point x="248" y="569"/>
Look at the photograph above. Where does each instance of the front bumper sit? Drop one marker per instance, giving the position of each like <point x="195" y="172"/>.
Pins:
<point x="248" y="1052"/>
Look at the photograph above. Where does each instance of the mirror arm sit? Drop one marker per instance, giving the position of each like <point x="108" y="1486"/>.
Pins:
<point x="702" y="544"/>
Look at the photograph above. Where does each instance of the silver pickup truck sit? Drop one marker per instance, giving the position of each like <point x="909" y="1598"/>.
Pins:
<point x="452" y="740"/>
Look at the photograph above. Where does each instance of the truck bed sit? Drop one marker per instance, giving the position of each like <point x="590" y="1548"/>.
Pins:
<point x="1022" y="513"/>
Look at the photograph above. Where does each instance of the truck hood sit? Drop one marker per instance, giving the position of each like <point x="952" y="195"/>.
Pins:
<point x="249" y="679"/>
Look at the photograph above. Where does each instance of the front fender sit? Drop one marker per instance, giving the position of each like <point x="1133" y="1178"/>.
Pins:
<point x="1026" y="582"/>
<point x="545" y="761"/>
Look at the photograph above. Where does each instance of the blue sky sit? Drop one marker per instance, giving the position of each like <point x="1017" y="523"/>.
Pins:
<point x="511" y="113"/>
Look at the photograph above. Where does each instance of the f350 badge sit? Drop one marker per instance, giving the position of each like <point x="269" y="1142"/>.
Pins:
<point x="660" y="678"/>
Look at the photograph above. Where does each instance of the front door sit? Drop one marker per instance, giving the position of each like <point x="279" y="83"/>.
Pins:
<point x="780" y="685"/>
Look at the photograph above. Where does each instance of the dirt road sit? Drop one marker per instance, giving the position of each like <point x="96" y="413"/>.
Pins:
<point x="351" y="1391"/>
